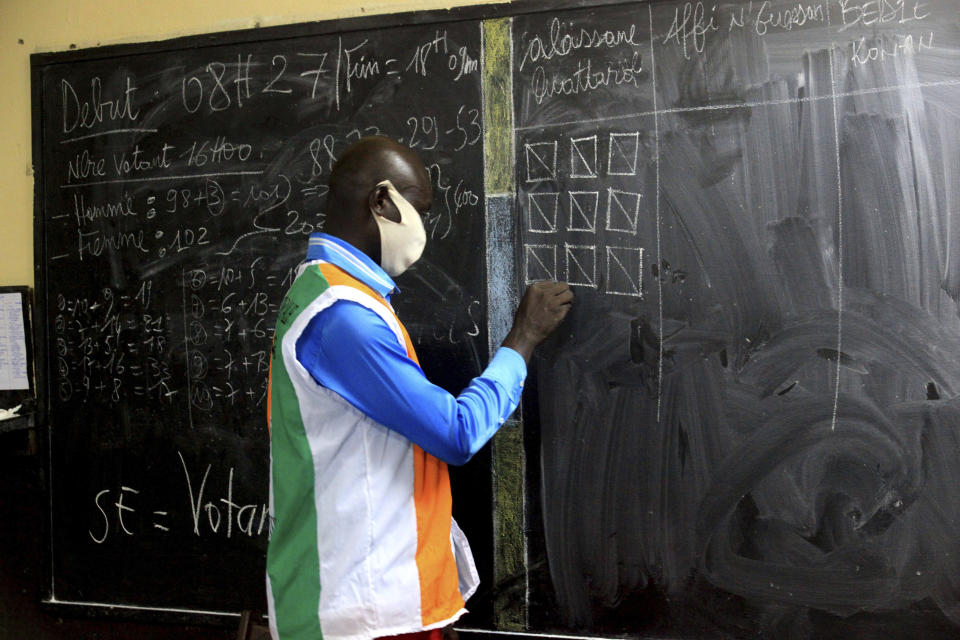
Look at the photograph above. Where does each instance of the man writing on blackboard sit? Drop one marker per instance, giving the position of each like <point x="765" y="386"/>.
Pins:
<point x="364" y="545"/>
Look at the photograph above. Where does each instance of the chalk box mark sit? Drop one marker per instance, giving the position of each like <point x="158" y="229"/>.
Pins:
<point x="625" y="271"/>
<point x="583" y="157"/>
<point x="583" y="210"/>
<point x="542" y="212"/>
<point x="622" y="154"/>
<point x="623" y="210"/>
<point x="541" y="161"/>
<point x="581" y="264"/>
<point x="540" y="262"/>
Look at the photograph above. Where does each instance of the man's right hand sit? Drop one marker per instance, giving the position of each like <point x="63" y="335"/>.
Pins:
<point x="543" y="307"/>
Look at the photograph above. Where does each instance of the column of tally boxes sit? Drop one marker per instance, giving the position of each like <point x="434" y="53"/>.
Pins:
<point x="561" y="235"/>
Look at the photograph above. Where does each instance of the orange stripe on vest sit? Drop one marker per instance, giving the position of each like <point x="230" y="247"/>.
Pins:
<point x="440" y="597"/>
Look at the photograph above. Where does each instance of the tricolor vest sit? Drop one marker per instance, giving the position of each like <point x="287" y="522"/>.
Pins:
<point x="363" y="543"/>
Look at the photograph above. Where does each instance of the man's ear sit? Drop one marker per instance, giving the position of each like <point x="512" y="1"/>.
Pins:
<point x="381" y="205"/>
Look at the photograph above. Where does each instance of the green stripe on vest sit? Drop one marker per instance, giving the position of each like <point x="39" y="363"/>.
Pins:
<point x="293" y="563"/>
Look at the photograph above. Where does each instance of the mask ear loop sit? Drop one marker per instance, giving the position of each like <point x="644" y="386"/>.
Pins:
<point x="401" y="243"/>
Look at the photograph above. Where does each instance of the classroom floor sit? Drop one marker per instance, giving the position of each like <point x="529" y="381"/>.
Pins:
<point x="21" y="555"/>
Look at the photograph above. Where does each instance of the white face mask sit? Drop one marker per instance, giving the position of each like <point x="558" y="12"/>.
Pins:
<point x="401" y="243"/>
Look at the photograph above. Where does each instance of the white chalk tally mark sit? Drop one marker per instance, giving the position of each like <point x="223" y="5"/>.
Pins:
<point x="541" y="161"/>
<point x="583" y="211"/>
<point x="542" y="211"/>
<point x="540" y="262"/>
<point x="623" y="210"/>
<point x="581" y="265"/>
<point x="624" y="271"/>
<point x="583" y="157"/>
<point x="622" y="154"/>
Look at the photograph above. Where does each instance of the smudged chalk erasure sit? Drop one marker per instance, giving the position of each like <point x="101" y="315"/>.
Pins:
<point x="768" y="445"/>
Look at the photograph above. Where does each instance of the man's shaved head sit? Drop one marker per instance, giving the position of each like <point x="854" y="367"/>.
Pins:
<point x="367" y="162"/>
<point x="354" y="197"/>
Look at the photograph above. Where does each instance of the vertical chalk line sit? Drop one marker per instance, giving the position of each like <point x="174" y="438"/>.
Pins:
<point x="186" y="343"/>
<point x="524" y="506"/>
<point x="656" y="150"/>
<point x="836" y="144"/>
<point x="486" y="201"/>
<point x="510" y="111"/>
<point x="50" y="479"/>
<point x="336" y="75"/>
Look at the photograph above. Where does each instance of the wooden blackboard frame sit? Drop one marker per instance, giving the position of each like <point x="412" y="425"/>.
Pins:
<point x="41" y="61"/>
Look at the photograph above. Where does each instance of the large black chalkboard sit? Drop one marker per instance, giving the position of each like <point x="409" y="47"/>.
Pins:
<point x="748" y="425"/>
<point x="177" y="187"/>
<point x="751" y="425"/>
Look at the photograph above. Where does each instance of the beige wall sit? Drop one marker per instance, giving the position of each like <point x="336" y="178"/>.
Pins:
<point x="30" y="26"/>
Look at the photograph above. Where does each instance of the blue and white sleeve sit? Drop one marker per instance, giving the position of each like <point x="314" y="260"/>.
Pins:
<point x="350" y="350"/>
